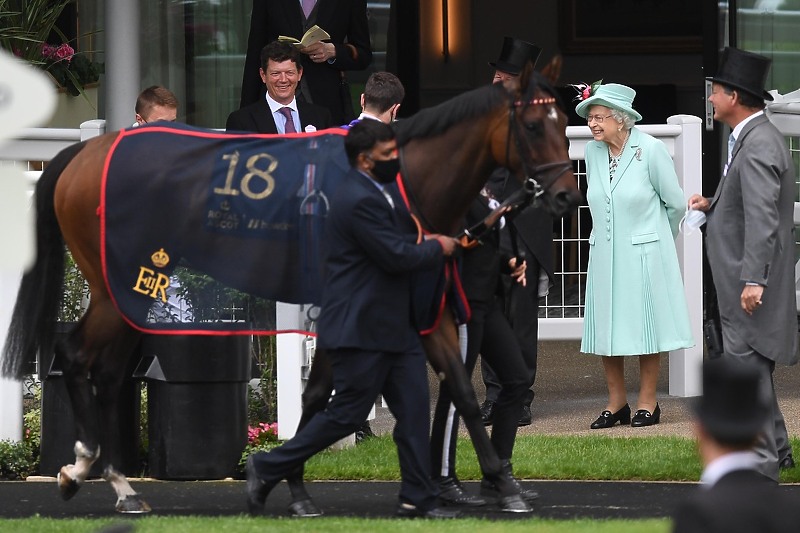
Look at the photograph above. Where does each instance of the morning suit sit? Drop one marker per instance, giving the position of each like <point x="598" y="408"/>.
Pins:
<point x="534" y="232"/>
<point x="750" y="237"/>
<point x="258" y="118"/>
<point x="344" y="20"/>
<point x="635" y="302"/>
<point x="365" y="326"/>
<point x="742" y="501"/>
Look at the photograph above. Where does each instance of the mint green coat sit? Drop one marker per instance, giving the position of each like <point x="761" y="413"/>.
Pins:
<point x="635" y="302"/>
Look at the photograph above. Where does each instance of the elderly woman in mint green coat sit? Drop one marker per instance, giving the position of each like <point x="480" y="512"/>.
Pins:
<point x="635" y="304"/>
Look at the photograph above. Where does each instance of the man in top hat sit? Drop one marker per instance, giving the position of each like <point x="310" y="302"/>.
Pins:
<point x="735" y="495"/>
<point x="750" y="237"/>
<point x="532" y="229"/>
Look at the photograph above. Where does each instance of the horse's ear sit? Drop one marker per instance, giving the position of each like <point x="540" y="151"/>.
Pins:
<point x="552" y="71"/>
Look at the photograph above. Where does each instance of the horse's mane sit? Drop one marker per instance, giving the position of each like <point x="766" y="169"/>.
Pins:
<point x="435" y="120"/>
<point x="438" y="119"/>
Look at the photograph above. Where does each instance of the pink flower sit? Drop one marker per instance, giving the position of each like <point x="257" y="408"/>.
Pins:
<point x="585" y="94"/>
<point x="63" y="52"/>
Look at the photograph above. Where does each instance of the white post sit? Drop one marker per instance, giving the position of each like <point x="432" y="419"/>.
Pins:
<point x="291" y="355"/>
<point x="123" y="72"/>
<point x="10" y="390"/>
<point x="685" y="365"/>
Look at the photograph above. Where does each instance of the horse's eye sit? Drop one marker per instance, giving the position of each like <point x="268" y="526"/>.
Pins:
<point x="535" y="128"/>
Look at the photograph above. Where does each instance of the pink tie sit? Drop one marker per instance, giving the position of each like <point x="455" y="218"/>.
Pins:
<point x="308" y="5"/>
<point x="287" y="112"/>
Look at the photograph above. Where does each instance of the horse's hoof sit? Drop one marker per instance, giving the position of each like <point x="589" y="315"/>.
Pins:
<point x="66" y="485"/>
<point x="304" y="509"/>
<point x="132" y="504"/>
<point x="514" y="504"/>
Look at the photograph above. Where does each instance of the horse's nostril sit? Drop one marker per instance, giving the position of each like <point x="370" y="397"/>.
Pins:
<point x="565" y="202"/>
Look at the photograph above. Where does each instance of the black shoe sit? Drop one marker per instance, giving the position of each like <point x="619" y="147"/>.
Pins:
<point x="406" y="510"/>
<point x="452" y="493"/>
<point x="786" y="463"/>
<point x="257" y="489"/>
<point x="304" y="509"/>
<point x="364" y="432"/>
<point x="607" y="419"/>
<point x="527" y="416"/>
<point x="489" y="489"/>
<point x="643" y="417"/>
<point x="487" y="412"/>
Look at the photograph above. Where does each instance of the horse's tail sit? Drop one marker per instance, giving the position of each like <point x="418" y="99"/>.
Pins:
<point x="36" y="309"/>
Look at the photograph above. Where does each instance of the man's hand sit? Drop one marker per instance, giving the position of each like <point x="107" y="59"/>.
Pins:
<point x="518" y="272"/>
<point x="449" y="244"/>
<point x="751" y="298"/>
<point x="699" y="202"/>
<point x="319" y="52"/>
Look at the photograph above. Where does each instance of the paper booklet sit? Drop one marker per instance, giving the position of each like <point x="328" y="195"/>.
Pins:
<point x="313" y="35"/>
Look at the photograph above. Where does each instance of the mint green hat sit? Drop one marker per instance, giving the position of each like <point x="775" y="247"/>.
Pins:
<point x="611" y="95"/>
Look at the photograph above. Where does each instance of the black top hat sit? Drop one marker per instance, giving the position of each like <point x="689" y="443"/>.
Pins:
<point x="744" y="71"/>
<point x="515" y="54"/>
<point x="734" y="406"/>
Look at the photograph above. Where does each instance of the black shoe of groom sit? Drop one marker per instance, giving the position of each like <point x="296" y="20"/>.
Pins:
<point x="452" y="493"/>
<point x="487" y="412"/>
<point x="407" y="510"/>
<point x="257" y="489"/>
<point x="527" y="416"/>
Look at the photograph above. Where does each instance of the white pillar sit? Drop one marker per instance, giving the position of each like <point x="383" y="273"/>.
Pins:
<point x="685" y="366"/>
<point x="291" y="355"/>
<point x="10" y="390"/>
<point x="122" y="69"/>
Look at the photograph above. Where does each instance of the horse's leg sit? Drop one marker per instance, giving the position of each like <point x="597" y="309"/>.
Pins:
<point x="108" y="376"/>
<point x="443" y="353"/>
<point x="99" y="347"/>
<point x="315" y="398"/>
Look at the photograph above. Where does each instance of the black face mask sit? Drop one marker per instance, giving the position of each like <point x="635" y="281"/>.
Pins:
<point x="385" y="171"/>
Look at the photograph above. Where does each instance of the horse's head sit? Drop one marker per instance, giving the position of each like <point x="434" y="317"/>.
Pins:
<point x="534" y="145"/>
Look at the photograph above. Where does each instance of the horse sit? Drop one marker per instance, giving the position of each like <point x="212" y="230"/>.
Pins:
<point x="447" y="153"/>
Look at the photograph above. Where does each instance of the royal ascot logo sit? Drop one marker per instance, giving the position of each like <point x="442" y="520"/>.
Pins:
<point x="154" y="284"/>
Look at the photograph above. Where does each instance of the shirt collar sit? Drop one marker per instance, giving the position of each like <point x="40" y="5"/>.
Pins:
<point x="274" y="106"/>
<point x="364" y="115"/>
<point x="372" y="181"/>
<point x="721" y="466"/>
<point x="740" y="126"/>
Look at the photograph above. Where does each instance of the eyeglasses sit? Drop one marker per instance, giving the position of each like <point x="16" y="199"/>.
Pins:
<point x="597" y="118"/>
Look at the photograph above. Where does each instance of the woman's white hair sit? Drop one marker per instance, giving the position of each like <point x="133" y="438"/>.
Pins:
<point x="624" y="117"/>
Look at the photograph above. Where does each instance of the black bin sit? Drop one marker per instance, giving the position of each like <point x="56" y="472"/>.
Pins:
<point x="196" y="404"/>
<point x="58" y="420"/>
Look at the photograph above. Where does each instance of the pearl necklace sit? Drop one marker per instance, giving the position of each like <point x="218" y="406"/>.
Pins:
<point x="613" y="160"/>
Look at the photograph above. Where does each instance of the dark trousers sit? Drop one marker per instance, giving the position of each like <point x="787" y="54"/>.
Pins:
<point x="521" y="307"/>
<point x="489" y="334"/>
<point x="358" y="377"/>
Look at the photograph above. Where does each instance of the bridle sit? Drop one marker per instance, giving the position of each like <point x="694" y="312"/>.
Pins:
<point x="534" y="175"/>
<point x="532" y="187"/>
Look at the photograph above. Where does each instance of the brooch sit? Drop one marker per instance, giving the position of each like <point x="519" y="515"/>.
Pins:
<point x="638" y="154"/>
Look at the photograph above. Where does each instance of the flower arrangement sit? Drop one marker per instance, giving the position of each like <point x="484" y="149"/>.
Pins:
<point x="70" y="70"/>
<point x="260" y="438"/>
<point x="585" y="90"/>
<point x="28" y="25"/>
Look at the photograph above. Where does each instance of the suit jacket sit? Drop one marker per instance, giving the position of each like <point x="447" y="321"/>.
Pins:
<point x="366" y="300"/>
<point x="741" y="501"/>
<point x="750" y="237"/>
<point x="344" y="20"/>
<point x="258" y="118"/>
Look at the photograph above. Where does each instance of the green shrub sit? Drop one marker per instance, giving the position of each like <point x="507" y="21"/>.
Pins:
<point x="17" y="460"/>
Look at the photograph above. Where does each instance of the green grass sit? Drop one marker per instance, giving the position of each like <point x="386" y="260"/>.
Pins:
<point x="541" y="457"/>
<point x="236" y="524"/>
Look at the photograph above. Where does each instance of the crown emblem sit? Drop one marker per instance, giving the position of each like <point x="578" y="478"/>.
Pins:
<point x="160" y="258"/>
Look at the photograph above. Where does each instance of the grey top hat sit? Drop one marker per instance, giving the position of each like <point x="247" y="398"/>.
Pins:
<point x="744" y="71"/>
<point x="734" y="405"/>
<point x="514" y="54"/>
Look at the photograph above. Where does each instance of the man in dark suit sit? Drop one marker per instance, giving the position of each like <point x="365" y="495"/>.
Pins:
<point x="365" y="325"/>
<point x="324" y="63"/>
<point x="750" y="236"/>
<point x="279" y="111"/>
<point x="532" y="231"/>
<point x="735" y="496"/>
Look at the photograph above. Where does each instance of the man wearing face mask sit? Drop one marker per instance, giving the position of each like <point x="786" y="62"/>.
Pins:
<point x="365" y="325"/>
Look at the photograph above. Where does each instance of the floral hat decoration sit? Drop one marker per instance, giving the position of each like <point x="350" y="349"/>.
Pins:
<point x="611" y="95"/>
